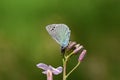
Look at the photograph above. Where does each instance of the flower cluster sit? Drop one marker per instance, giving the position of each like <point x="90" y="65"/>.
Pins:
<point x="76" y="48"/>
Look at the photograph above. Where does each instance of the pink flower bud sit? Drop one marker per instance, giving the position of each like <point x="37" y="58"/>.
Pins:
<point x="77" y="49"/>
<point x="77" y="45"/>
<point x="82" y="55"/>
<point x="71" y="45"/>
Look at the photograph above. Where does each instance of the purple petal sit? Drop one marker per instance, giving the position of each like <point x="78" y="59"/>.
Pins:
<point x="59" y="68"/>
<point x="42" y="66"/>
<point x="57" y="71"/>
<point x="51" y="68"/>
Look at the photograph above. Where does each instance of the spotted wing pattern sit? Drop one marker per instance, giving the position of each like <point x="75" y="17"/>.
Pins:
<point x="60" y="33"/>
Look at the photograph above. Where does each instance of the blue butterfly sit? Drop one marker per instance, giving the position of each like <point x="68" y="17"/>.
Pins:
<point x="60" y="33"/>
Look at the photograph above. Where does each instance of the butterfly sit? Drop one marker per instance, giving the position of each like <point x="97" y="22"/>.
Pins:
<point x="60" y="33"/>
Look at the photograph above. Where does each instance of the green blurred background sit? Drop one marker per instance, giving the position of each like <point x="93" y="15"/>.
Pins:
<point x="24" y="41"/>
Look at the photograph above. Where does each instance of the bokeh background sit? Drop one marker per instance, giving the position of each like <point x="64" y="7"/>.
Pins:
<point x="24" y="41"/>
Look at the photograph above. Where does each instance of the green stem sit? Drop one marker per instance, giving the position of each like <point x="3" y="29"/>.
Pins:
<point x="73" y="69"/>
<point x="65" y="59"/>
<point x="64" y="68"/>
<point x="70" y="55"/>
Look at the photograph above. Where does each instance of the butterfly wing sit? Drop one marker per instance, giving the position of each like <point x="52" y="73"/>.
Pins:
<point x="60" y="33"/>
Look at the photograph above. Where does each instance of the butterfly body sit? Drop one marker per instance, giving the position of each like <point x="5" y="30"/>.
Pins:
<point x="60" y="33"/>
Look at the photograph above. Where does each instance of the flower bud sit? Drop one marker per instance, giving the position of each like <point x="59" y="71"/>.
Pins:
<point x="78" y="48"/>
<point x="82" y="55"/>
<point x="71" y="45"/>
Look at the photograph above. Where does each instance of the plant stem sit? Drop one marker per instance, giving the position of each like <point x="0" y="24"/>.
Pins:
<point x="65" y="59"/>
<point x="64" y="68"/>
<point x="73" y="69"/>
<point x="49" y="75"/>
<point x="69" y="55"/>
